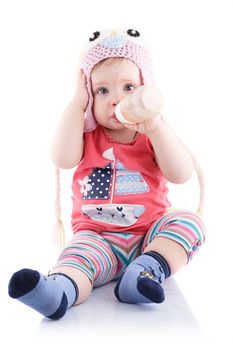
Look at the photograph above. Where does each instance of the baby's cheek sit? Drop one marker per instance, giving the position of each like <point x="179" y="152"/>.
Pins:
<point x="99" y="111"/>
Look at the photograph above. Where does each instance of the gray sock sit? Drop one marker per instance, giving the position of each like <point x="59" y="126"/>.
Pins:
<point x="141" y="282"/>
<point x="50" y="295"/>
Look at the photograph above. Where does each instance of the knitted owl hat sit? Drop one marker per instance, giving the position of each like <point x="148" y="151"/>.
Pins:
<point x="125" y="43"/>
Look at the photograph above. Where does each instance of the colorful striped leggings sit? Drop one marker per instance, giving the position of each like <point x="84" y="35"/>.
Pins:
<point x="104" y="257"/>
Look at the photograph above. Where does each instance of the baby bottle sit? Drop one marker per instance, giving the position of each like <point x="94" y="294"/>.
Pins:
<point x="144" y="103"/>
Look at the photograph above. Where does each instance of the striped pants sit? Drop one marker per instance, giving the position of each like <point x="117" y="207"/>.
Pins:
<point x="104" y="257"/>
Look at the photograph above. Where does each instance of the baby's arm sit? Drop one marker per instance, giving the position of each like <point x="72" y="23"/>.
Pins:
<point x="67" y="144"/>
<point x="172" y="157"/>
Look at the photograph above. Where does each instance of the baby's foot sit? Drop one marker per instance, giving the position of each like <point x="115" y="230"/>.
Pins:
<point x="50" y="295"/>
<point x="141" y="281"/>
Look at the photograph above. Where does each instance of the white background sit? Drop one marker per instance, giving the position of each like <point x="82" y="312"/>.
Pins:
<point x="40" y="43"/>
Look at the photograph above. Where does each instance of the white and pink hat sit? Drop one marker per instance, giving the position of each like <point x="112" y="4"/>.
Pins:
<point x="114" y="43"/>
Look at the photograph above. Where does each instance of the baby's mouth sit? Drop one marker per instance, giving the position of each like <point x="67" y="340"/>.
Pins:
<point x="114" y="117"/>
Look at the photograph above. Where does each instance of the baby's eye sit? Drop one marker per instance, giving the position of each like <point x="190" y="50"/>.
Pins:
<point x="129" y="87"/>
<point x="102" y="91"/>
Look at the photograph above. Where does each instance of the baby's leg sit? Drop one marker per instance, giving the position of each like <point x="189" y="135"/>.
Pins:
<point x="87" y="261"/>
<point x="80" y="278"/>
<point x="170" y="244"/>
<point x="177" y="237"/>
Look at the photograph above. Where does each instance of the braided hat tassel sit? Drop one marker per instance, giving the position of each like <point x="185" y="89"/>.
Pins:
<point x="59" y="227"/>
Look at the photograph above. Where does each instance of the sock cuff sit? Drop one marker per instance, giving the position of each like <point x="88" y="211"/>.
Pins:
<point x="71" y="280"/>
<point x="162" y="261"/>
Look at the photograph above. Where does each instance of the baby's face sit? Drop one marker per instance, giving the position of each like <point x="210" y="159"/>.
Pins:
<point x="110" y="84"/>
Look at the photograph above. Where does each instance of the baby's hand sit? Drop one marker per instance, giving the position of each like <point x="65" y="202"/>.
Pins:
<point x="147" y="126"/>
<point x="81" y="90"/>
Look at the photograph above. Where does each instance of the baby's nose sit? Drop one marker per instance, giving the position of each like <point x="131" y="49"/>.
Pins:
<point x="116" y="98"/>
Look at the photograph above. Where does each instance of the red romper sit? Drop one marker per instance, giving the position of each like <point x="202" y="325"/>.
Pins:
<point x="117" y="187"/>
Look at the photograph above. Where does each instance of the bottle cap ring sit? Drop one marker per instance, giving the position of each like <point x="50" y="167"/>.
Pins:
<point x="120" y="116"/>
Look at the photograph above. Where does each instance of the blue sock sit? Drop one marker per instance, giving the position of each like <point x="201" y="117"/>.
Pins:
<point x="50" y="295"/>
<point x="141" y="281"/>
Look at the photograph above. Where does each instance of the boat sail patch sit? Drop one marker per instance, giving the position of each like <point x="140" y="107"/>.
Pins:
<point x="100" y="183"/>
<point x="105" y="183"/>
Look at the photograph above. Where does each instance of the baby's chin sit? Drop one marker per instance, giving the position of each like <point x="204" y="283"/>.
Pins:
<point x="113" y="123"/>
